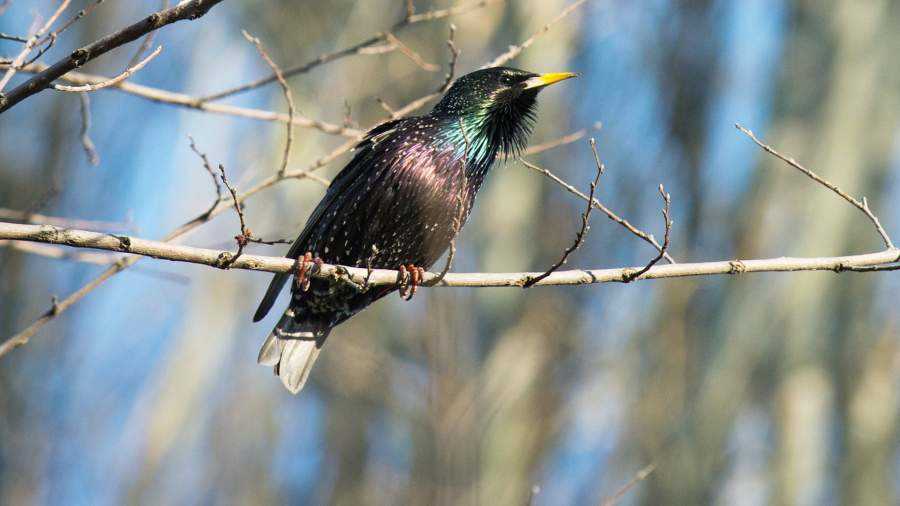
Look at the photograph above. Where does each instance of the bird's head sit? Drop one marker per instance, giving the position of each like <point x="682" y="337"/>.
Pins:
<point x="496" y="105"/>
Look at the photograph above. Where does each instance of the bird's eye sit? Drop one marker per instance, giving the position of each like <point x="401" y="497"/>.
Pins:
<point x="507" y="79"/>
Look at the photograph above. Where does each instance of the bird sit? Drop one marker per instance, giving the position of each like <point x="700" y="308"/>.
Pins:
<point x="398" y="204"/>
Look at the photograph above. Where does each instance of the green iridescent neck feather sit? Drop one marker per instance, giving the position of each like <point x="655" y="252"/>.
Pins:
<point x="488" y="114"/>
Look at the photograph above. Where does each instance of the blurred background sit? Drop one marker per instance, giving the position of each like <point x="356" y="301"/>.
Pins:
<point x="772" y="388"/>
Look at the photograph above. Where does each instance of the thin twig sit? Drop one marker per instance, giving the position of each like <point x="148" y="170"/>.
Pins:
<point x="555" y="143"/>
<point x="187" y="101"/>
<point x="58" y="307"/>
<point x="212" y="174"/>
<point x="49" y="40"/>
<point x="13" y="38"/>
<point x="29" y="45"/>
<point x="667" y="201"/>
<point x="112" y="82"/>
<point x="516" y="50"/>
<point x="359" y="48"/>
<point x="147" y="42"/>
<point x="503" y="58"/>
<point x="245" y="234"/>
<point x="288" y="96"/>
<point x="61" y="252"/>
<point x="86" y="143"/>
<point x="637" y="478"/>
<point x="190" y="9"/>
<point x="454" y="57"/>
<point x="582" y="232"/>
<point x="411" y="54"/>
<point x="384" y="105"/>
<point x="96" y="225"/>
<point x="863" y="205"/>
<point x="599" y="205"/>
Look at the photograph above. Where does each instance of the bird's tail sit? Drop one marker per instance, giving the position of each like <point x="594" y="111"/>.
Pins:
<point x="292" y="348"/>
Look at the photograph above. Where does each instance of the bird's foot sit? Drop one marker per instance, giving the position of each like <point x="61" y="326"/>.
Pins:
<point x="409" y="280"/>
<point x="304" y="269"/>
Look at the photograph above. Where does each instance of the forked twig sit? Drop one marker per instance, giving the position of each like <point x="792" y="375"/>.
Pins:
<point x="667" y="201"/>
<point x="599" y="205"/>
<point x="582" y="233"/>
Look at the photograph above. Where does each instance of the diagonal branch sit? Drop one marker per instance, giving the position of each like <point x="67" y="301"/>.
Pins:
<point x="29" y="45"/>
<point x="516" y="50"/>
<point x="288" y="97"/>
<point x="111" y="82"/>
<point x="192" y="9"/>
<point x="863" y="205"/>
<point x="585" y="226"/>
<point x="182" y="100"/>
<point x="599" y="205"/>
<point x="359" y="48"/>
<point x="667" y="202"/>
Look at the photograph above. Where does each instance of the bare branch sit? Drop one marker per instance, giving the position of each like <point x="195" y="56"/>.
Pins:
<point x="582" y="233"/>
<point x="516" y="50"/>
<point x="454" y="57"/>
<point x="363" y="47"/>
<point x="667" y="201"/>
<point x="382" y="277"/>
<point x="638" y="477"/>
<point x="29" y="45"/>
<point x="555" y="143"/>
<point x="86" y="143"/>
<point x="112" y="82"/>
<point x="13" y="38"/>
<point x="861" y="205"/>
<point x="187" y="101"/>
<point x="191" y="9"/>
<point x="245" y="234"/>
<point x="599" y="205"/>
<point x="288" y="97"/>
<point x="61" y="252"/>
<point x="411" y="54"/>
<point x="209" y="170"/>
<point x="58" y="307"/>
<point x="96" y="225"/>
<point x="147" y="42"/>
<point x="500" y="60"/>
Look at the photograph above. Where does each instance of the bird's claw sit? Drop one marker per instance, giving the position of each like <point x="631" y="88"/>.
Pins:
<point x="303" y="270"/>
<point x="409" y="280"/>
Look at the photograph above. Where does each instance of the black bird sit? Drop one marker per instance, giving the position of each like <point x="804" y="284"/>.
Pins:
<point x="397" y="205"/>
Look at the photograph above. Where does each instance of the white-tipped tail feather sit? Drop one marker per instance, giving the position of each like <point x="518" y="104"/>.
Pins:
<point x="294" y="353"/>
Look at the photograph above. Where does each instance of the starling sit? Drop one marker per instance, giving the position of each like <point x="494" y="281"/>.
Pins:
<point x="397" y="205"/>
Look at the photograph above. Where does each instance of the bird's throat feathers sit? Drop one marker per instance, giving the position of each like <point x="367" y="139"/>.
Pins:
<point x="492" y="129"/>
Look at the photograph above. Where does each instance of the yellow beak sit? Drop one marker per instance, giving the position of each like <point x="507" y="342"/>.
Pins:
<point x="548" y="79"/>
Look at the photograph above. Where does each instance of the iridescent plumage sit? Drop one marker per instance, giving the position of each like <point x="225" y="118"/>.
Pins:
<point x="397" y="202"/>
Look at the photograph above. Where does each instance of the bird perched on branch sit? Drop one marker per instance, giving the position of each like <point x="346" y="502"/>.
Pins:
<point x="398" y="204"/>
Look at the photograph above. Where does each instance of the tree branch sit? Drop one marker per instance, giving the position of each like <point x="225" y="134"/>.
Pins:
<point x="359" y="48"/>
<point x="599" y="205"/>
<point x="111" y="82"/>
<point x="585" y="224"/>
<point x="75" y="238"/>
<point x="192" y="9"/>
<point x="863" y="205"/>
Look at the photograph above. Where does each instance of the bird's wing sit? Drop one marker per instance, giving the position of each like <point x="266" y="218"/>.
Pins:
<point x="338" y="186"/>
